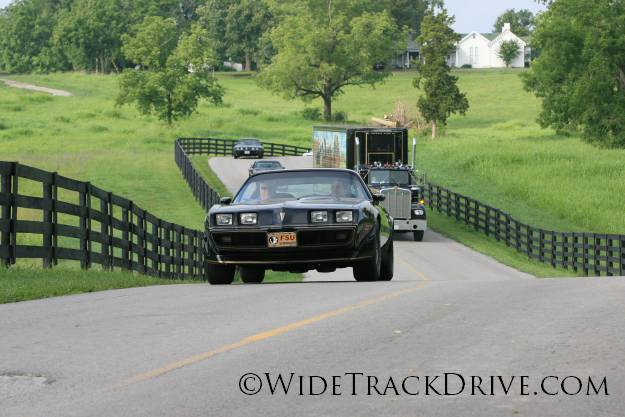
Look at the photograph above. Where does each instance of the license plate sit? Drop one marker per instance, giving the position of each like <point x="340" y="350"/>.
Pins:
<point x="281" y="239"/>
<point x="247" y="152"/>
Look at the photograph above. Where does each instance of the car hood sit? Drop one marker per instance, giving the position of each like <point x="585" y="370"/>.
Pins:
<point x="311" y="203"/>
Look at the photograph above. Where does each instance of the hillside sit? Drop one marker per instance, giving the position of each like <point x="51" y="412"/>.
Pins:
<point x="496" y="153"/>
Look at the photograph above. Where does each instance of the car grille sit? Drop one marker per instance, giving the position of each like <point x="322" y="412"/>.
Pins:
<point x="241" y="239"/>
<point x="324" y="237"/>
<point x="398" y="202"/>
<point x="305" y="238"/>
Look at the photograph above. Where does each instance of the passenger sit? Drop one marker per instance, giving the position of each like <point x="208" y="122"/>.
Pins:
<point x="338" y="189"/>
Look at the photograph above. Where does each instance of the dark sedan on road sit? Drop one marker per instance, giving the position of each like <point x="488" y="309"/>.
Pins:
<point x="248" y="148"/>
<point x="264" y="166"/>
<point x="299" y="220"/>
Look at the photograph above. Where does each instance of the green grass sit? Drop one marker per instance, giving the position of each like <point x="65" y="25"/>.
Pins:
<point x="497" y="153"/>
<point x="200" y="162"/>
<point x="22" y="283"/>
<point x="489" y="246"/>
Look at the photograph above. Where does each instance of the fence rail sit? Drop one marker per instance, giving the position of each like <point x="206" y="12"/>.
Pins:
<point x="75" y="220"/>
<point x="590" y="253"/>
<point x="89" y="225"/>
<point x="184" y="147"/>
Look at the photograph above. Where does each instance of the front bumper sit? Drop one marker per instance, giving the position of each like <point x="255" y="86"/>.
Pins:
<point x="315" y="248"/>
<point x="409" y="225"/>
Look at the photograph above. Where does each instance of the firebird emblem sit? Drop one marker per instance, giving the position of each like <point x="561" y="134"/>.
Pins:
<point x="282" y="214"/>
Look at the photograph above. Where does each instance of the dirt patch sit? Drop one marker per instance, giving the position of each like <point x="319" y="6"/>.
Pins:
<point x="24" y="86"/>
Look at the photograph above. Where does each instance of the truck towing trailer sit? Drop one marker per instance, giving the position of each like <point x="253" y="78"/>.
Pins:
<point x="380" y="156"/>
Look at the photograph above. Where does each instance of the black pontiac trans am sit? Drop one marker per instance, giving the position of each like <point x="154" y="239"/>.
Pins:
<point x="299" y="220"/>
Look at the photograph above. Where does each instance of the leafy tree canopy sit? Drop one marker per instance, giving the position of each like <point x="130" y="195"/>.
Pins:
<point x="521" y="21"/>
<point x="580" y="74"/>
<point x="441" y="96"/>
<point x="324" y="46"/>
<point x="175" y="73"/>
<point x="509" y="51"/>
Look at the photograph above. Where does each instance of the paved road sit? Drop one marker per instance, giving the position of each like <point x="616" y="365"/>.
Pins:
<point x="181" y="350"/>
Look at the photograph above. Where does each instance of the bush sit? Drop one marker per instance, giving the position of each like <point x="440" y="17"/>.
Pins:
<point x="249" y="112"/>
<point x="311" y="113"/>
<point x="339" y="116"/>
<point x="467" y="66"/>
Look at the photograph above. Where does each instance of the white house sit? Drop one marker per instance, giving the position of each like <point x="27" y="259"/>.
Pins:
<point x="480" y="50"/>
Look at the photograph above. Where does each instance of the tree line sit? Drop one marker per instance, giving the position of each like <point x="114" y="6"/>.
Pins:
<point x="86" y="35"/>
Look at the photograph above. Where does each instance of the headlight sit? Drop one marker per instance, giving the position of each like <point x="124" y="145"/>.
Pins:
<point x="248" y="218"/>
<point x="224" y="219"/>
<point x="419" y="212"/>
<point x="319" y="216"/>
<point x="344" y="216"/>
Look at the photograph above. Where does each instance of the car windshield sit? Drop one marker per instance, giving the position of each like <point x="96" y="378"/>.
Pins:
<point x="284" y="186"/>
<point x="267" y="164"/>
<point x="248" y="142"/>
<point x="389" y="176"/>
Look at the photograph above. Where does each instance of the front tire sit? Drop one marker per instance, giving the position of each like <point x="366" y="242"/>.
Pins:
<point x="369" y="270"/>
<point x="220" y="274"/>
<point x="251" y="275"/>
<point x="387" y="270"/>
<point x="417" y="235"/>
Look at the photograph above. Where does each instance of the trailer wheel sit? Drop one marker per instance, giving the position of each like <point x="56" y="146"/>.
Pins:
<point x="418" y="235"/>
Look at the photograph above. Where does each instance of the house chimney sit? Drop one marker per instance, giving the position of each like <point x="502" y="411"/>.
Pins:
<point x="506" y="27"/>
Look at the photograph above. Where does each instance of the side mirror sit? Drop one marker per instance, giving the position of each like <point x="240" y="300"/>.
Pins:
<point x="377" y="198"/>
<point x="225" y="201"/>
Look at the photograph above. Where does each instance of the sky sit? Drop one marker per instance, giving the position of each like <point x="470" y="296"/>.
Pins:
<point x="478" y="15"/>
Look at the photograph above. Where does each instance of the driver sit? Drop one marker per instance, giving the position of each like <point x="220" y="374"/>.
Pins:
<point x="266" y="191"/>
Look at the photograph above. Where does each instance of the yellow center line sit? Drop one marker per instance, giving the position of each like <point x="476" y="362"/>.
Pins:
<point x="413" y="269"/>
<point x="265" y="335"/>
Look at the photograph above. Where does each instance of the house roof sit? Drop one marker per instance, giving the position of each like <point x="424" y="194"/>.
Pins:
<point x="489" y="36"/>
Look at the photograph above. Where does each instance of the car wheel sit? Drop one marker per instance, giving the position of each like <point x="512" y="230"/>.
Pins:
<point x="260" y="156"/>
<point x="369" y="270"/>
<point x="234" y="156"/>
<point x="386" y="273"/>
<point x="418" y="235"/>
<point x="220" y="274"/>
<point x="251" y="275"/>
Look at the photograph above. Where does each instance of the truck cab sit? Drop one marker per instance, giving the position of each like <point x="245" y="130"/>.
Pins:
<point x="403" y="189"/>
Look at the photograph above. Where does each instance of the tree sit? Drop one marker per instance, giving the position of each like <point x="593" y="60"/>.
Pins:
<point x="521" y="21"/>
<point x="509" y="51"/>
<point x="580" y="73"/>
<point x="407" y="13"/>
<point x="89" y="34"/>
<point x="26" y="29"/>
<point x="323" y="47"/>
<point x="246" y="22"/>
<point x="441" y="96"/>
<point x="175" y="70"/>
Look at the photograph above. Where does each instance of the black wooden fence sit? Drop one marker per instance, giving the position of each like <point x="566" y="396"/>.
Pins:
<point x="184" y="147"/>
<point x="46" y="216"/>
<point x="590" y="253"/>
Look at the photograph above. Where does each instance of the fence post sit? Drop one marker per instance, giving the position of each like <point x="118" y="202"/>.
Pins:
<point x="104" y="231"/>
<point x="621" y="268"/>
<point x="585" y="248"/>
<point x="84" y="197"/>
<point x="127" y="235"/>
<point x="48" y="225"/>
<point x="7" y="240"/>
<point x="178" y="257"/>
<point x="156" y="247"/>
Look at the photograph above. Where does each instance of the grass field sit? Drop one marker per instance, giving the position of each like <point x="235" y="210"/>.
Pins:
<point x="497" y="153"/>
